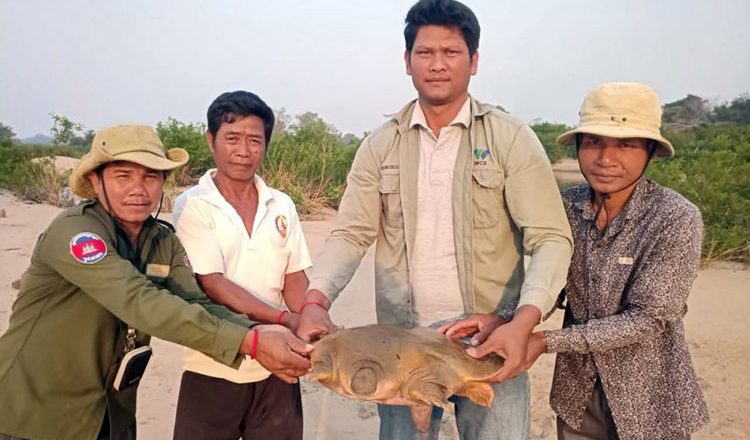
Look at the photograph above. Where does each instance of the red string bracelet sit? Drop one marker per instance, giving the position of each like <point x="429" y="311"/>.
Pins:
<point x="281" y="316"/>
<point x="254" y="347"/>
<point x="310" y="303"/>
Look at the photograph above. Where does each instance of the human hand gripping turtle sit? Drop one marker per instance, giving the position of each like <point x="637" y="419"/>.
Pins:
<point x="314" y="320"/>
<point x="278" y="350"/>
<point x="492" y="334"/>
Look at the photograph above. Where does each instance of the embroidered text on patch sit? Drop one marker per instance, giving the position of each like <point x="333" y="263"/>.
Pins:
<point x="88" y="248"/>
<point x="157" y="270"/>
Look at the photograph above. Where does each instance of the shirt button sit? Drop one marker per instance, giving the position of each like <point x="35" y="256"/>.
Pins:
<point x="437" y="153"/>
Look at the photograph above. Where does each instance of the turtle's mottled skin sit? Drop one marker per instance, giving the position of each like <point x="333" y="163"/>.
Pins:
<point x="417" y="367"/>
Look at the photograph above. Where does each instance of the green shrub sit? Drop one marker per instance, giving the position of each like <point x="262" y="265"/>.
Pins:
<point x="312" y="172"/>
<point x="191" y="137"/>
<point x="16" y="169"/>
<point x="308" y="160"/>
<point x="37" y="181"/>
<point x="547" y="132"/>
<point x="738" y="111"/>
<point x="712" y="169"/>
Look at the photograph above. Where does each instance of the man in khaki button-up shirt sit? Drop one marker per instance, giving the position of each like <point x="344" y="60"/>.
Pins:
<point x="504" y="203"/>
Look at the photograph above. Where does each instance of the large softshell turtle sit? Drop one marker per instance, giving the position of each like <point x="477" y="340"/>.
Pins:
<point x="417" y="367"/>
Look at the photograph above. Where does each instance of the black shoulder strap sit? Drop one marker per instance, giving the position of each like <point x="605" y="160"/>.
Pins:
<point x="560" y="302"/>
<point x="166" y="224"/>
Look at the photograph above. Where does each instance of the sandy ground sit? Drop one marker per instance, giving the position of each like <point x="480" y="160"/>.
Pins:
<point x="717" y="331"/>
<point x="567" y="171"/>
<point x="62" y="164"/>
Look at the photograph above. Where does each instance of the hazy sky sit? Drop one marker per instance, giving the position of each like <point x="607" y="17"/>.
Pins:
<point x="139" y="61"/>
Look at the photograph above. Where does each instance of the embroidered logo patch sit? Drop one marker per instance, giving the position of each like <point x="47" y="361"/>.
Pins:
<point x="186" y="260"/>
<point x="88" y="248"/>
<point x="281" y="225"/>
<point x="627" y="261"/>
<point x="481" y="154"/>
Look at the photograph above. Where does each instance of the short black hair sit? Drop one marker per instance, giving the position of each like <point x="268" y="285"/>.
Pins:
<point x="230" y="106"/>
<point x="448" y="13"/>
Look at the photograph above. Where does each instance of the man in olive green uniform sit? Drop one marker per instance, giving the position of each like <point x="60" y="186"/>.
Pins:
<point x="100" y="269"/>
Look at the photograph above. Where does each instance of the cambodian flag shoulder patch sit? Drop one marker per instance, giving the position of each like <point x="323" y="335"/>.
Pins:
<point x="88" y="248"/>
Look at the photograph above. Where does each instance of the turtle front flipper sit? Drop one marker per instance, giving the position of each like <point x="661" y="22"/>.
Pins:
<point x="365" y="381"/>
<point x="422" y="388"/>
<point x="367" y="373"/>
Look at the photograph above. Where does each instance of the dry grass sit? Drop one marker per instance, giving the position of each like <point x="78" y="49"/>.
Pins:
<point x="310" y="197"/>
<point x="49" y="185"/>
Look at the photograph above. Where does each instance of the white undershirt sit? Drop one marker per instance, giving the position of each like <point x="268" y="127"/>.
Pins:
<point x="434" y="272"/>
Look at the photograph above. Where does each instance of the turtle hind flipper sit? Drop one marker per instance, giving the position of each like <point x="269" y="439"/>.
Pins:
<point x="421" y="415"/>
<point x="480" y="393"/>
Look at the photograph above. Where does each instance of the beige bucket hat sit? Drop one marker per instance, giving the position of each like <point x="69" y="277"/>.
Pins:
<point x="621" y="110"/>
<point x="131" y="143"/>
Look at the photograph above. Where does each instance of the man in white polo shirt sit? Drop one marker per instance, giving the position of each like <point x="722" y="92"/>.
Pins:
<point x="247" y="250"/>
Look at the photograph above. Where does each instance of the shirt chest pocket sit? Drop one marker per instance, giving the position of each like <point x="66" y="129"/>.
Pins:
<point x="390" y="199"/>
<point x="487" y="197"/>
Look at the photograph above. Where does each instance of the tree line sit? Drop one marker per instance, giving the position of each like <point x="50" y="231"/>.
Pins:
<point x="309" y="158"/>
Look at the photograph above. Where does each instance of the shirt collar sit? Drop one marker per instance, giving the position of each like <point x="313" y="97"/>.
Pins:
<point x="149" y="229"/>
<point x="210" y="192"/>
<point x="635" y="205"/>
<point x="463" y="116"/>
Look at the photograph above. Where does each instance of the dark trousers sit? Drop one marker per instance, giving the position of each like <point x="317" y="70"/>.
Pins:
<point x="103" y="432"/>
<point x="209" y="408"/>
<point x="598" y="423"/>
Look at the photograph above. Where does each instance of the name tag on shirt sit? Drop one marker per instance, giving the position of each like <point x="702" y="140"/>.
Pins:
<point x="627" y="261"/>
<point x="157" y="270"/>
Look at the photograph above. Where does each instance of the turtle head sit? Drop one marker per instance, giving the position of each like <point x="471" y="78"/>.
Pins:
<point x="322" y="359"/>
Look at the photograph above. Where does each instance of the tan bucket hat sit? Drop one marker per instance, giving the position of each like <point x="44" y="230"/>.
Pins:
<point x="621" y="110"/>
<point x="131" y="143"/>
